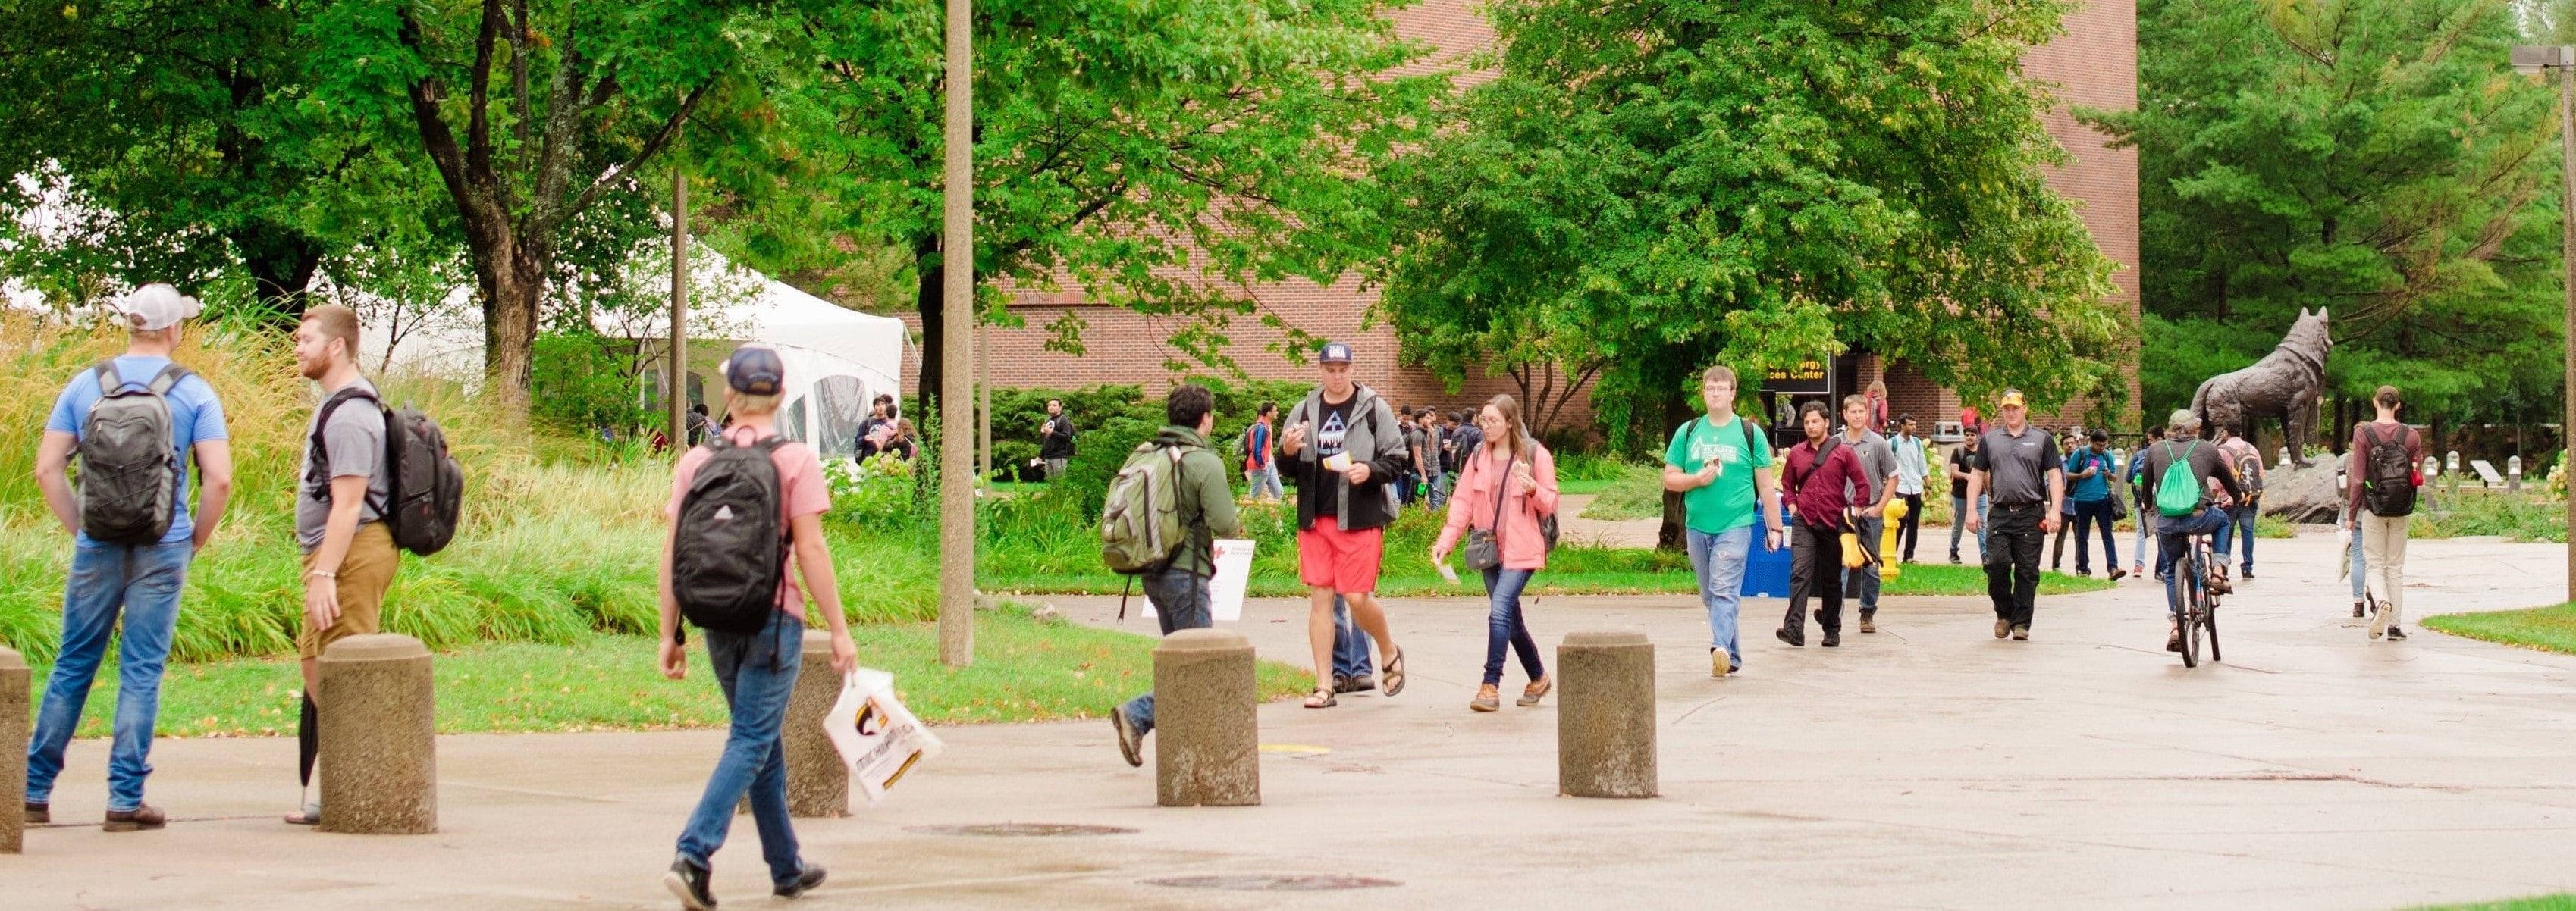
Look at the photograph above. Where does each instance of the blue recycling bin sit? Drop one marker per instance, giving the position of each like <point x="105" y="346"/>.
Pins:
<point x="1766" y="574"/>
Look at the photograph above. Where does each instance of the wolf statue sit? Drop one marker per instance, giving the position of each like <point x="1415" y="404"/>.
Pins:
<point x="2284" y="384"/>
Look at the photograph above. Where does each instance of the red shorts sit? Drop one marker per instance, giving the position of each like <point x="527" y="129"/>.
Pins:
<point x="1345" y="561"/>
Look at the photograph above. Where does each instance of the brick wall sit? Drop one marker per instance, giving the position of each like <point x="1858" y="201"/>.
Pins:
<point x="2094" y="64"/>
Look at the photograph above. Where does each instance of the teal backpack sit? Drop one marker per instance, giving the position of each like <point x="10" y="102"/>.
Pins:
<point x="2178" y="492"/>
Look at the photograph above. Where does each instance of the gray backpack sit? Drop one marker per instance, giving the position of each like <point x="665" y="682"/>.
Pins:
<point x="129" y="456"/>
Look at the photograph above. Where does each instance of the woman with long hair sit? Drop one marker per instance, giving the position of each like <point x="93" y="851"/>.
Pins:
<point x="1503" y="491"/>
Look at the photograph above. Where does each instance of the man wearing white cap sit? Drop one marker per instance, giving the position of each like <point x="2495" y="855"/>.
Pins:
<point x="134" y="420"/>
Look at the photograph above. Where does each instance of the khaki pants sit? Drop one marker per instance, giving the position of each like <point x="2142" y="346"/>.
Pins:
<point x="365" y="574"/>
<point x="2383" y="543"/>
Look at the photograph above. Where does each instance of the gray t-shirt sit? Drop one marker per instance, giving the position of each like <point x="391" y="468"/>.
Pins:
<point x="356" y="443"/>
<point x="1876" y="457"/>
<point x="2017" y="466"/>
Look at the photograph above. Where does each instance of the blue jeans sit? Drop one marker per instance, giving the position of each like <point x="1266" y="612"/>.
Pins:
<point x="1505" y="627"/>
<point x="2173" y="540"/>
<point x="1718" y="560"/>
<point x="142" y="582"/>
<point x="2360" y="567"/>
<point x="1433" y="488"/>
<point x="1181" y="601"/>
<point x="1959" y="524"/>
<point x="2240" y="524"/>
<point x="2088" y="513"/>
<point x="2146" y="515"/>
<point x="1861" y="584"/>
<point x="1350" y="643"/>
<point x="1267" y="480"/>
<point x="758" y="672"/>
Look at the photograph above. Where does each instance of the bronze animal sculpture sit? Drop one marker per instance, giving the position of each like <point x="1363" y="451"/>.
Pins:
<point x="2285" y="384"/>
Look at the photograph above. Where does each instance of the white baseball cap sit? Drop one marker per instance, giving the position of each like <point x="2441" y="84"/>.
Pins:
<point x="156" y="306"/>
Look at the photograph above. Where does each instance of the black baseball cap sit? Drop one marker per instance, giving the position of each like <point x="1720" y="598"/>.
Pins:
<point x="754" y="370"/>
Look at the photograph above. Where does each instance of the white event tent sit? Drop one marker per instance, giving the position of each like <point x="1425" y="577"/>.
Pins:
<point x="838" y="359"/>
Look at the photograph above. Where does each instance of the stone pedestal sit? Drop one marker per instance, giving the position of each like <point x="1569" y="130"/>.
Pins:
<point x="1605" y="715"/>
<point x="817" y="783"/>
<point x="1208" y="737"/>
<point x="379" y="746"/>
<point x="13" y="747"/>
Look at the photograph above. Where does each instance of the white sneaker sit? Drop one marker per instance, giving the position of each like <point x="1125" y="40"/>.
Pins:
<point x="1719" y="663"/>
<point x="2379" y="621"/>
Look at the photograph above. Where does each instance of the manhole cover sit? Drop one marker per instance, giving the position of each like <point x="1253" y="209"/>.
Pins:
<point x="1022" y="830"/>
<point x="1273" y="883"/>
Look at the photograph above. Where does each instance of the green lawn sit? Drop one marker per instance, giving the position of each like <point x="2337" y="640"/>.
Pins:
<point x="2546" y="628"/>
<point x="1025" y="670"/>
<point x="2560" y="902"/>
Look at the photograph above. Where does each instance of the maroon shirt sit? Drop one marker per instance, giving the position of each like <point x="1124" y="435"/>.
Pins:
<point x="1817" y="490"/>
<point x="2359" y="467"/>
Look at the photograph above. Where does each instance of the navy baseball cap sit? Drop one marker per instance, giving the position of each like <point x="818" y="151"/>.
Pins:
<point x="1334" y="353"/>
<point x="754" y="370"/>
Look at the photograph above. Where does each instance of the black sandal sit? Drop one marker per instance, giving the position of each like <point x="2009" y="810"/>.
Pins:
<point x="1325" y="701"/>
<point x="1392" y="682"/>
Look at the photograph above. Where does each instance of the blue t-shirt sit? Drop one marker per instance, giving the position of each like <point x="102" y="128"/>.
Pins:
<point x="2097" y="487"/>
<point x="195" y="416"/>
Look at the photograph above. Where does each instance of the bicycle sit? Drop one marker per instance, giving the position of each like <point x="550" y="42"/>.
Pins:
<point x="2195" y="601"/>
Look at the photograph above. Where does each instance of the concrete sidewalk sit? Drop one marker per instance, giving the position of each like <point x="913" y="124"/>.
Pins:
<point x="1929" y="765"/>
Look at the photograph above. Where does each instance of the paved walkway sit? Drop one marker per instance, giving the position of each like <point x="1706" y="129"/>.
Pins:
<point x="1927" y="766"/>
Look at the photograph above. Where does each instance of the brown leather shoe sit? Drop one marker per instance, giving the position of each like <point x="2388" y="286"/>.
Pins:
<point x="2003" y="627"/>
<point x="2021" y="634"/>
<point x="1488" y="698"/>
<point x="1537" y="690"/>
<point x="1869" y="621"/>
<point x="137" y="819"/>
<point x="39" y="814"/>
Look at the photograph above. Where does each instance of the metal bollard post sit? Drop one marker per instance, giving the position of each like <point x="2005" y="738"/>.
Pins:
<point x="1605" y="721"/>
<point x="1208" y="733"/>
<point x="379" y="738"/>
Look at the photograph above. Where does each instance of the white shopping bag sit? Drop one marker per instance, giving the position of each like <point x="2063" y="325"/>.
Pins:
<point x="1226" y="588"/>
<point x="879" y="740"/>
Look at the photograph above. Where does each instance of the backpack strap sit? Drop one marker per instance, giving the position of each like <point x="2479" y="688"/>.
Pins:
<point x="319" y="471"/>
<point x="168" y="379"/>
<point x="108" y="381"/>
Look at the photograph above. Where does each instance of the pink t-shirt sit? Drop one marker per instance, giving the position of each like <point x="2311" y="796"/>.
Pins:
<point x="801" y="492"/>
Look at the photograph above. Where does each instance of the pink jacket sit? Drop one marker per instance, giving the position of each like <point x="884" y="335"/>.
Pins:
<point x="1473" y="504"/>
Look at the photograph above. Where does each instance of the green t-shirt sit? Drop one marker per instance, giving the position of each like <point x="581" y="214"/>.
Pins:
<point x="1727" y="504"/>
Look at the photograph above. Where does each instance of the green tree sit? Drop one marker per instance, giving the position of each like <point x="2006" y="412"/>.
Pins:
<point x="1673" y="184"/>
<point x="2375" y="158"/>
<point x="540" y="121"/>
<point x="1160" y="155"/>
<point x="165" y="142"/>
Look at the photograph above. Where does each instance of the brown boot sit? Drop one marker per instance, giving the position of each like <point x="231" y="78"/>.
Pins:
<point x="137" y="819"/>
<point x="1869" y="621"/>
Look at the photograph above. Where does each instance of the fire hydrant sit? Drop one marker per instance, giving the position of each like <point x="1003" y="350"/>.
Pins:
<point x="1887" y="563"/>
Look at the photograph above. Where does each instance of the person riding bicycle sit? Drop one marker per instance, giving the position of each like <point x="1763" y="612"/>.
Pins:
<point x="2182" y="443"/>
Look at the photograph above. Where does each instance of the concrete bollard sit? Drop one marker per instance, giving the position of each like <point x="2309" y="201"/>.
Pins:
<point x="13" y="747"/>
<point x="817" y="783"/>
<point x="379" y="738"/>
<point x="1209" y="749"/>
<point x="1605" y="719"/>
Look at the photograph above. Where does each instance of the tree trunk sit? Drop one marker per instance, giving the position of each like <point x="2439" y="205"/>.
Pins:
<point x="513" y="280"/>
<point x="927" y="300"/>
<point x="1677" y="409"/>
<point x="281" y="266"/>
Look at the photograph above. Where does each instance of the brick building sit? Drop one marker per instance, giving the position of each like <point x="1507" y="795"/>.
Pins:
<point x="2094" y="64"/>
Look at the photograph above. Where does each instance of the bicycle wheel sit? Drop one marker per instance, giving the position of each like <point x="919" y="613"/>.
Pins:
<point x="2209" y="619"/>
<point x="2194" y="589"/>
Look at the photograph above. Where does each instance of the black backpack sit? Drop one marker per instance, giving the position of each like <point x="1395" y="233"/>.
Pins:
<point x="2388" y="475"/>
<point x="130" y="467"/>
<point x="728" y="549"/>
<point x="425" y="488"/>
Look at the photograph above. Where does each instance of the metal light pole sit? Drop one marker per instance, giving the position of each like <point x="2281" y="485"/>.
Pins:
<point x="957" y="353"/>
<point x="2563" y="59"/>
<point x="677" y="387"/>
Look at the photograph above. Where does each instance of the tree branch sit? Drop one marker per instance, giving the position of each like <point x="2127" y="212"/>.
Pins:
<point x="478" y="93"/>
<point x="661" y="137"/>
